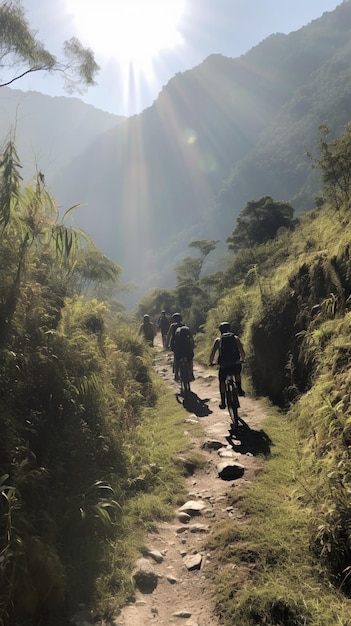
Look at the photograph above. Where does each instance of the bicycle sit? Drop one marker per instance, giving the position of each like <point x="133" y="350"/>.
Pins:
<point x="232" y="402"/>
<point x="184" y="375"/>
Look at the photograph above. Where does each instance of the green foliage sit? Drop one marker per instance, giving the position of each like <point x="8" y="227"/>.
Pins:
<point x="18" y="41"/>
<point x="193" y="295"/>
<point x="93" y="269"/>
<point x="74" y="380"/>
<point x="334" y="165"/>
<point x="265" y="573"/>
<point x="204" y="246"/>
<point x="80" y="68"/>
<point x="188" y="272"/>
<point x="10" y="181"/>
<point x="291" y="299"/>
<point x="259" y="221"/>
<point x="155" y="302"/>
<point x="19" y="48"/>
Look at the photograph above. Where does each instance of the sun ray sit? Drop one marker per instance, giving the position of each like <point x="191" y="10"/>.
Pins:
<point x="134" y="32"/>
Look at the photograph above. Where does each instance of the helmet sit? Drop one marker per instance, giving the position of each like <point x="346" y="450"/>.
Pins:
<point x="176" y="317"/>
<point x="146" y="317"/>
<point x="163" y="312"/>
<point x="224" y="327"/>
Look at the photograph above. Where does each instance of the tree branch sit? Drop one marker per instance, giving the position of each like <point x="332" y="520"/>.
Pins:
<point x="32" y="69"/>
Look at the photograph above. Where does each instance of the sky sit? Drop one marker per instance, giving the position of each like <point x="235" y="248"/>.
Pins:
<point x="141" y="44"/>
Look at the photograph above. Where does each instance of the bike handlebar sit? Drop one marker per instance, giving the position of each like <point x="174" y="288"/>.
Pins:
<point x="214" y="364"/>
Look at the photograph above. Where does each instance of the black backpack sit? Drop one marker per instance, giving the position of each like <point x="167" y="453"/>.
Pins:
<point x="183" y="343"/>
<point x="228" y="350"/>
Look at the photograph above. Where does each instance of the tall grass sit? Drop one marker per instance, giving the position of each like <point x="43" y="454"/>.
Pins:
<point x="267" y="575"/>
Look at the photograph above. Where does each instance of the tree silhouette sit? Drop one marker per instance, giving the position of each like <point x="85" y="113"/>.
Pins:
<point x="259" y="221"/>
<point x="22" y="53"/>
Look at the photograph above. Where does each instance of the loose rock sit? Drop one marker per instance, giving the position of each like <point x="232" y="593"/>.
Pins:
<point x="192" y="507"/>
<point x="192" y="562"/>
<point x="145" y="577"/>
<point x="213" y="444"/>
<point x="230" y="471"/>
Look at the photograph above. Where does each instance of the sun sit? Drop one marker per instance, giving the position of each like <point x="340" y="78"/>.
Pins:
<point x="133" y="32"/>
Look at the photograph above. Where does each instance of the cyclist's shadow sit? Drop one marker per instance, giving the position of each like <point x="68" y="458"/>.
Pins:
<point x="193" y="404"/>
<point x="248" y="440"/>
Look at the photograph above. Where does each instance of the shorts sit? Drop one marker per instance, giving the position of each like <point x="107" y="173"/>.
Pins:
<point x="229" y="369"/>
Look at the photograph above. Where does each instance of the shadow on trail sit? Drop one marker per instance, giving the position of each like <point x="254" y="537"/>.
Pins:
<point x="248" y="440"/>
<point x="193" y="404"/>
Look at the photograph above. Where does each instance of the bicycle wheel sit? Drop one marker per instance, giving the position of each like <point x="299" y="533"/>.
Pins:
<point x="232" y="404"/>
<point x="184" y="374"/>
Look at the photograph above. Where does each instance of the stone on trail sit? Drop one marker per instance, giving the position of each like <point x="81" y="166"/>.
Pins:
<point x="192" y="507"/>
<point x="155" y="555"/>
<point x="172" y="579"/>
<point x="198" y="528"/>
<point x="184" y="517"/>
<point x="230" y="471"/>
<point x="213" y="444"/>
<point x="226" y="454"/>
<point x="187" y="465"/>
<point x="193" y="561"/>
<point x="144" y="576"/>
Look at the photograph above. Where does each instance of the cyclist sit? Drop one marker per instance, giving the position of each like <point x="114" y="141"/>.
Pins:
<point x="163" y="324"/>
<point x="176" y="322"/>
<point x="231" y="355"/>
<point x="181" y="346"/>
<point x="147" y="329"/>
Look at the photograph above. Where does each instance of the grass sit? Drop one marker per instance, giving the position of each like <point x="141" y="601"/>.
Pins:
<point x="266" y="572"/>
<point x="156" y="487"/>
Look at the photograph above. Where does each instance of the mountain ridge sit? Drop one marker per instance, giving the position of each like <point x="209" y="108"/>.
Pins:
<point x="218" y="135"/>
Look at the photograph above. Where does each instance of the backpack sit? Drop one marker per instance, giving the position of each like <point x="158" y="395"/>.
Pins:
<point x="149" y="332"/>
<point x="164" y="324"/>
<point x="183" y="343"/>
<point x="228" y="350"/>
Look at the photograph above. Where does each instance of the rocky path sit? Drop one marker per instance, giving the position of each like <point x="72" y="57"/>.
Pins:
<point x="177" y="572"/>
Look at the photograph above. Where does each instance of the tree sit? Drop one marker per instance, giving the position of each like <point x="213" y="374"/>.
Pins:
<point x="205" y="246"/>
<point x="259" y="221"/>
<point x="22" y="53"/>
<point x="188" y="272"/>
<point x="35" y="241"/>
<point x="334" y="164"/>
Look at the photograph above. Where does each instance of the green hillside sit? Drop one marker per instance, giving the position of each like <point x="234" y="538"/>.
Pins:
<point x="218" y="135"/>
<point x="288" y="298"/>
<point x="89" y="435"/>
<point x="88" y="440"/>
<point x="222" y="133"/>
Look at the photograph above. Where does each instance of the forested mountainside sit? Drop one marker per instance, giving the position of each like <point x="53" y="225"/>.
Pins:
<point x="223" y="133"/>
<point x="219" y="135"/>
<point x="50" y="132"/>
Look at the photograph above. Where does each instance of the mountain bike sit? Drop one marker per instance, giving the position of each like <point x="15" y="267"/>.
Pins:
<point x="232" y="402"/>
<point x="184" y="375"/>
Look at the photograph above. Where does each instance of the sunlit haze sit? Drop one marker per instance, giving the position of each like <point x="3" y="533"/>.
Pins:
<point x="133" y="33"/>
<point x="141" y="44"/>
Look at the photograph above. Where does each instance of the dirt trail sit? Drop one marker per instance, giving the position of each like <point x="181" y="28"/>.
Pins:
<point x="184" y="596"/>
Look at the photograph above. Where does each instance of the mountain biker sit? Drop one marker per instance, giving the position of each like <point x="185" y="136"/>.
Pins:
<point x="179" y="349"/>
<point x="163" y="324"/>
<point x="229" y="363"/>
<point x="147" y="329"/>
<point x="176" y="321"/>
